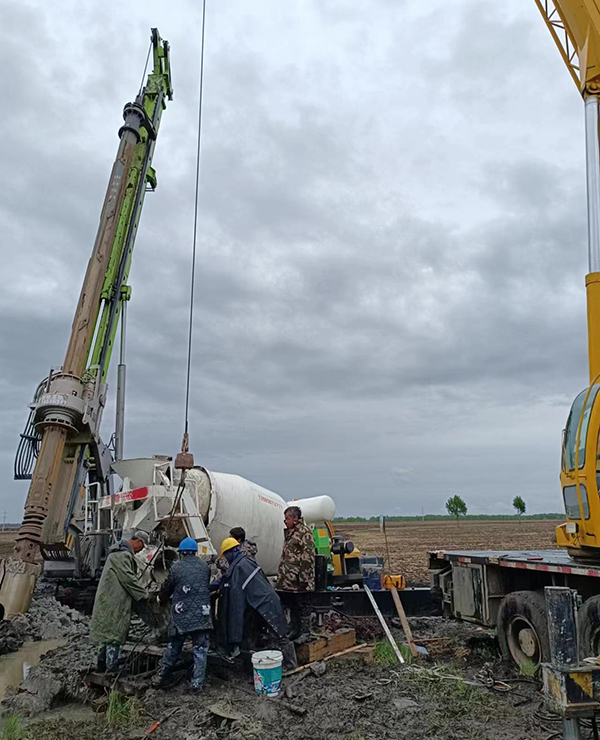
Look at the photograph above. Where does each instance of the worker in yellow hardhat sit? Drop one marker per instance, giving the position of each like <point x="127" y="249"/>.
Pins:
<point x="249" y="548"/>
<point x="244" y="586"/>
<point x="228" y="544"/>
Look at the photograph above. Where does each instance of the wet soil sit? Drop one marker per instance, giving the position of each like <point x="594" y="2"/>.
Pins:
<point x="448" y="695"/>
<point x="430" y="697"/>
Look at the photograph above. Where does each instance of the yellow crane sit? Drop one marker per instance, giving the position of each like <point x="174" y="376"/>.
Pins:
<point x="505" y="589"/>
<point x="575" y="28"/>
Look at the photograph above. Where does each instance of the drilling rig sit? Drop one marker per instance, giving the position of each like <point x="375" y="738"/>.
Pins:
<point x="62" y="441"/>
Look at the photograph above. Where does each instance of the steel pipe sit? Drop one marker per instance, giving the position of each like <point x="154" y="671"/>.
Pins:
<point x="121" y="378"/>
<point x="592" y="160"/>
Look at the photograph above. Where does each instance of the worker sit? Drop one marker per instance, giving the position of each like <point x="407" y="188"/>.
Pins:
<point x="187" y="586"/>
<point x="248" y="548"/>
<point x="119" y="587"/>
<point x="245" y="585"/>
<point x="297" y="565"/>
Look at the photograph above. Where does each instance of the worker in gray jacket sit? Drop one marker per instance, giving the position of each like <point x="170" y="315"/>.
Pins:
<point x="187" y="586"/>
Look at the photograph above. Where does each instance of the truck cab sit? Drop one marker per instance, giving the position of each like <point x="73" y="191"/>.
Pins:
<point x="580" y="534"/>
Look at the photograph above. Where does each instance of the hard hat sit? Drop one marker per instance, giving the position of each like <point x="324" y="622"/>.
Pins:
<point x="228" y="544"/>
<point x="142" y="536"/>
<point x="188" y="544"/>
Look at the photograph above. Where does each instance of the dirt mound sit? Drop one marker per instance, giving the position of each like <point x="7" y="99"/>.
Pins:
<point x="45" y="620"/>
<point x="10" y="638"/>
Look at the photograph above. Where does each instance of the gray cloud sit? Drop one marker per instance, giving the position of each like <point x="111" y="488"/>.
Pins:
<point x="390" y="303"/>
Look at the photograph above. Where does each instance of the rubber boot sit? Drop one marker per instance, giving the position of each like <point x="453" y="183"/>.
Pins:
<point x="290" y="662"/>
<point x="160" y="678"/>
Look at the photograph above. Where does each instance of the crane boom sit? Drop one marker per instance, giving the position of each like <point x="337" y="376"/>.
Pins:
<point x="575" y="28"/>
<point x="67" y="413"/>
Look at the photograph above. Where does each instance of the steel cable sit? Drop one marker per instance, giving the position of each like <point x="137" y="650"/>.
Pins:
<point x="195" y="235"/>
<point x="145" y="68"/>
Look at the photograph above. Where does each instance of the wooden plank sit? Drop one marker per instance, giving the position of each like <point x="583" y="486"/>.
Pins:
<point x="329" y="657"/>
<point x="383" y="623"/>
<point x="320" y="648"/>
<point x="404" y="622"/>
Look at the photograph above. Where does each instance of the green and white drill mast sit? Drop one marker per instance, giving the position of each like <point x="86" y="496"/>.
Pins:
<point x="67" y="410"/>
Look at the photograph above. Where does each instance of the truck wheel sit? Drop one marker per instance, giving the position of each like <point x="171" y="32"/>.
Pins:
<point x="523" y="628"/>
<point x="588" y="626"/>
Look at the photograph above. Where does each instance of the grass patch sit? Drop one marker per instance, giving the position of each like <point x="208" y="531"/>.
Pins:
<point x="121" y="710"/>
<point x="454" y="698"/>
<point x="384" y="653"/>
<point x="13" y="729"/>
<point x="529" y="670"/>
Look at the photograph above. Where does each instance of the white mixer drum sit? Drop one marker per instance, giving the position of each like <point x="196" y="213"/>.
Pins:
<point x="237" y="502"/>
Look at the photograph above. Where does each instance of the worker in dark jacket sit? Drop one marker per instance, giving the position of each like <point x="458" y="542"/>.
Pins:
<point x="244" y="586"/>
<point x="119" y="587"/>
<point x="248" y="548"/>
<point x="187" y="586"/>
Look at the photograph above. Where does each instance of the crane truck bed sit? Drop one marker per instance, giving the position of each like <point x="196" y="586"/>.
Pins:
<point x="504" y="589"/>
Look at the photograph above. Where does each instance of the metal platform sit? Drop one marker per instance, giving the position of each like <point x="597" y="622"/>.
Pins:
<point x="417" y="602"/>
<point x="549" y="561"/>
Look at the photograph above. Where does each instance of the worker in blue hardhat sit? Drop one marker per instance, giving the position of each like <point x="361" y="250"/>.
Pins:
<point x="187" y="586"/>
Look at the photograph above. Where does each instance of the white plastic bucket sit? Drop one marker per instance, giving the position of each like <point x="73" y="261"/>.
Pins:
<point x="267" y="672"/>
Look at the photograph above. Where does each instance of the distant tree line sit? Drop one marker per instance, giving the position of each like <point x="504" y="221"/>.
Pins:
<point x="457" y="509"/>
<point x="442" y="517"/>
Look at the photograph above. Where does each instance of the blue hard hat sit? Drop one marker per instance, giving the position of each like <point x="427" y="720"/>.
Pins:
<point x="188" y="544"/>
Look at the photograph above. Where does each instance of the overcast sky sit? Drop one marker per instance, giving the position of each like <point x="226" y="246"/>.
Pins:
<point x="390" y="299"/>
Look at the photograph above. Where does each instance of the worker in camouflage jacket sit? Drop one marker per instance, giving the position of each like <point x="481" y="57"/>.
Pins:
<point x="248" y="549"/>
<point x="297" y="565"/>
<point x="187" y="586"/>
<point x="119" y="587"/>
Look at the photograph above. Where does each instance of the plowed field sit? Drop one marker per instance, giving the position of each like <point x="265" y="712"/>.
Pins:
<point x="409" y="541"/>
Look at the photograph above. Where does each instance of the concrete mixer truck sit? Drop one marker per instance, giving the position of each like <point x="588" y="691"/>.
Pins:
<point x="206" y="508"/>
<point x="151" y="498"/>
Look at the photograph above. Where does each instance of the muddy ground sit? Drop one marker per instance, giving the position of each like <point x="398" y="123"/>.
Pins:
<point x="450" y="694"/>
<point x="409" y="541"/>
<point x="363" y="696"/>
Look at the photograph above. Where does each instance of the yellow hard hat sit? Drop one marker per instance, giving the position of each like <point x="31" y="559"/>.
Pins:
<point x="228" y="544"/>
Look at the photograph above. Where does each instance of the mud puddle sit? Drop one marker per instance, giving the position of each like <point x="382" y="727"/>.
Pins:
<point x="15" y="667"/>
